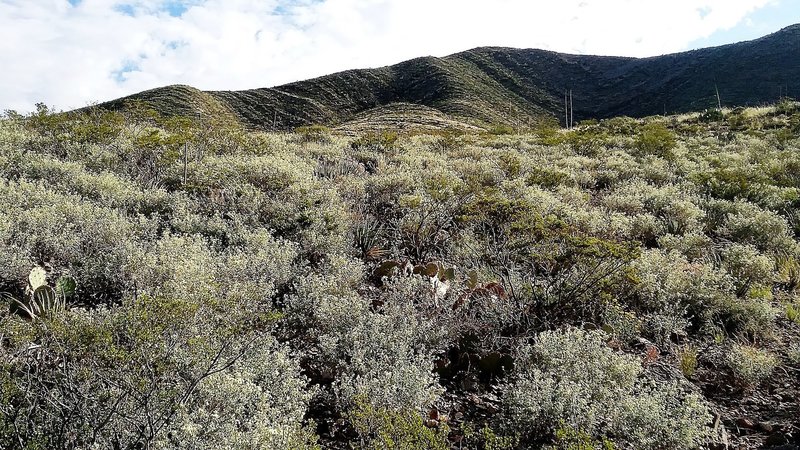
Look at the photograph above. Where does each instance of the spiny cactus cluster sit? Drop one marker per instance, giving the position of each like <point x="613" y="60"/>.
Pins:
<point x="404" y="267"/>
<point x="42" y="299"/>
<point x="439" y="275"/>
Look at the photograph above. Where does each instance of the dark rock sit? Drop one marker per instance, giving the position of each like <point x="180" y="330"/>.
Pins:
<point x="777" y="438"/>
<point x="744" y="422"/>
<point x="765" y="427"/>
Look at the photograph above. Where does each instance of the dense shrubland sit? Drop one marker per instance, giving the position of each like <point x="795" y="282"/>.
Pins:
<point x="198" y="285"/>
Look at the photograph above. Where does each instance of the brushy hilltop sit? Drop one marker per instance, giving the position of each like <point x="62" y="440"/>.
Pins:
<point x="632" y="283"/>
<point x="490" y="86"/>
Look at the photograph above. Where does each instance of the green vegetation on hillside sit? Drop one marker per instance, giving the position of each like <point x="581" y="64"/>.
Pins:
<point x="490" y="86"/>
<point x="181" y="282"/>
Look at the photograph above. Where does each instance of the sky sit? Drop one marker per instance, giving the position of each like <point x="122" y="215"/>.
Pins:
<point x="71" y="53"/>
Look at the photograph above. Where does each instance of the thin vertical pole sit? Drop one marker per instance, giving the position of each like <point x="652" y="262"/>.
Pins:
<point x="571" y="111"/>
<point x="719" y="102"/>
<point x="185" y="161"/>
<point x="566" y="111"/>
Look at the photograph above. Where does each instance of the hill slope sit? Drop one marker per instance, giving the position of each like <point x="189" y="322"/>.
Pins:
<point x="503" y="85"/>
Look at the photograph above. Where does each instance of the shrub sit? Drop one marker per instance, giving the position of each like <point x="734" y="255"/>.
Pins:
<point x="793" y="353"/>
<point x="687" y="360"/>
<point x="485" y="438"/>
<point x="586" y="141"/>
<point x="384" y="356"/>
<point x="793" y="313"/>
<point x="149" y="361"/>
<point x="752" y="317"/>
<point x="326" y="305"/>
<point x="711" y="115"/>
<point x="750" y="365"/>
<point x="620" y="125"/>
<point x="389" y="355"/>
<point x="501" y="130"/>
<point x="624" y="325"/>
<point x="382" y="141"/>
<point x="548" y="178"/>
<point x="669" y="282"/>
<point x="668" y="325"/>
<point x="749" y="224"/>
<point x="656" y="139"/>
<point x="38" y="225"/>
<point x="319" y="134"/>
<point x="391" y="429"/>
<point x="641" y="420"/>
<point x="572" y="379"/>
<point x="747" y="266"/>
<point x="568" y="438"/>
<point x="260" y="402"/>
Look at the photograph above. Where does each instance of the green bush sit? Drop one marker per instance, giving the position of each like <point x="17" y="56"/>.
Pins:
<point x="548" y="178"/>
<point x="793" y="353"/>
<point x="568" y="438"/>
<point x="389" y="429"/>
<point x="749" y="224"/>
<point x="750" y="365"/>
<point x="793" y="313"/>
<point x="687" y="361"/>
<point x="501" y="130"/>
<point x="656" y="139"/>
<point x="171" y="364"/>
<point x="711" y="115"/>
<point x="314" y="133"/>
<point x="669" y="280"/>
<point x="572" y="379"/>
<point x="587" y="141"/>
<point x="382" y="141"/>
<point x="748" y="267"/>
<point x="390" y="354"/>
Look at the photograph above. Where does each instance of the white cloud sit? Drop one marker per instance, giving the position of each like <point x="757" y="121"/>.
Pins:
<point x="97" y="50"/>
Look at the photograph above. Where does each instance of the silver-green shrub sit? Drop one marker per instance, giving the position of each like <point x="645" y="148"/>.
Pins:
<point x="260" y="402"/>
<point x="571" y="378"/>
<point x="750" y="365"/>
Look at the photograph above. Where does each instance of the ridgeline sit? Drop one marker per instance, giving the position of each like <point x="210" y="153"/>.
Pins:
<point x="492" y="85"/>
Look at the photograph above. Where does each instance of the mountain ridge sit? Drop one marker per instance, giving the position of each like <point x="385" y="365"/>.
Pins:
<point x="490" y="85"/>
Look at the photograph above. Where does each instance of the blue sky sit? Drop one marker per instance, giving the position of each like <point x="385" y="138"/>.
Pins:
<point x="69" y="53"/>
<point x="763" y="21"/>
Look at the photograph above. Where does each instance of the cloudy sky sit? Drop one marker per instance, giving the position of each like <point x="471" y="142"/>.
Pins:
<point x="69" y="53"/>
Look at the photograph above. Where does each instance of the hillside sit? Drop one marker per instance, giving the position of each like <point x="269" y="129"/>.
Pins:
<point x="503" y="85"/>
<point x="628" y="284"/>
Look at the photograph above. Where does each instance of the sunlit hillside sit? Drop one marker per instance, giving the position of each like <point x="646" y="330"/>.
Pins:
<point x="489" y="85"/>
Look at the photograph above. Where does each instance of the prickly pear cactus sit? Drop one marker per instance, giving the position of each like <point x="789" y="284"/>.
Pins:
<point x="37" y="278"/>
